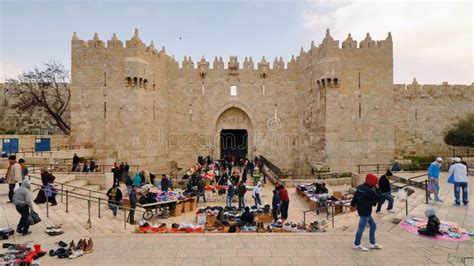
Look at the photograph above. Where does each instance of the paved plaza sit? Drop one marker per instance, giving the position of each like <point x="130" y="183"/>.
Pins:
<point x="123" y="247"/>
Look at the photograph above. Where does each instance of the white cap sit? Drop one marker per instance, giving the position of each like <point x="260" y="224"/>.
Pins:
<point x="439" y="159"/>
<point x="457" y="159"/>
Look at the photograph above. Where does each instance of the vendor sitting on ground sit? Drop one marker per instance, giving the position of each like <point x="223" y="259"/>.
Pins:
<point x="432" y="226"/>
<point x="247" y="217"/>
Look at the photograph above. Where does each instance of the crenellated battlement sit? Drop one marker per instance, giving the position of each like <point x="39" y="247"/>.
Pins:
<point x="114" y="43"/>
<point x="433" y="91"/>
<point x="234" y="65"/>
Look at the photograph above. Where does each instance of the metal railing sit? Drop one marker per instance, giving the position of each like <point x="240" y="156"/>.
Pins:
<point x="44" y="154"/>
<point x="68" y="168"/>
<point x="90" y="199"/>
<point x="417" y="184"/>
<point x="464" y="152"/>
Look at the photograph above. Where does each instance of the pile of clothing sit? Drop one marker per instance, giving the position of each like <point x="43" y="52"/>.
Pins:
<point x="295" y="227"/>
<point x="451" y="229"/>
<point x="72" y="250"/>
<point x="20" y="254"/>
<point x="145" y="227"/>
<point x="171" y="195"/>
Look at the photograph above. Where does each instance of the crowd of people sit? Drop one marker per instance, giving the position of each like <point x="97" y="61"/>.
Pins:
<point x="233" y="176"/>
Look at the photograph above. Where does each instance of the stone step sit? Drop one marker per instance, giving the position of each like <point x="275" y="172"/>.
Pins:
<point x="76" y="183"/>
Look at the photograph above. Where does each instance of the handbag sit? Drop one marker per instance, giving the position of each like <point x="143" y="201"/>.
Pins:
<point x="451" y="180"/>
<point x="33" y="218"/>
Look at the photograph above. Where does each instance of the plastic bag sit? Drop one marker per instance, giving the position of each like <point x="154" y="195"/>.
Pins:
<point x="431" y="187"/>
<point x="402" y="194"/>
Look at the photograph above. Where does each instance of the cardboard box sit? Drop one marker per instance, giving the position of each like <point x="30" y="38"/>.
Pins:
<point x="263" y="218"/>
<point x="193" y="204"/>
<point x="211" y="221"/>
<point x="186" y="206"/>
<point x="177" y="210"/>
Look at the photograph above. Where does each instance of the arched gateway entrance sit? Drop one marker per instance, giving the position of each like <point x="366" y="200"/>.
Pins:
<point x="233" y="134"/>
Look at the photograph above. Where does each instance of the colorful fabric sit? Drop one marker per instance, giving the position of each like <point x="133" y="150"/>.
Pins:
<point x="450" y="231"/>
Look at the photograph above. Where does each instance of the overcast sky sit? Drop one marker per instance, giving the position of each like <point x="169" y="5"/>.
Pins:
<point x="433" y="40"/>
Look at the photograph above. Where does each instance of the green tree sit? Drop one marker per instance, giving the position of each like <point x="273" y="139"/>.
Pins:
<point x="462" y="133"/>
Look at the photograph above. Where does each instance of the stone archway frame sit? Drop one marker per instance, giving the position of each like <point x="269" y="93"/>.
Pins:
<point x="250" y="131"/>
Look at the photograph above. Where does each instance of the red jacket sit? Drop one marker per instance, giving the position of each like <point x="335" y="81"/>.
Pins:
<point x="283" y="193"/>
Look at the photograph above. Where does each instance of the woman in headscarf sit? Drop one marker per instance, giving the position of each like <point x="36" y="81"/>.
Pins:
<point x="46" y="179"/>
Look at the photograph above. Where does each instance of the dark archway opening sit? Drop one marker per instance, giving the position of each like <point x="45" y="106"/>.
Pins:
<point x="234" y="142"/>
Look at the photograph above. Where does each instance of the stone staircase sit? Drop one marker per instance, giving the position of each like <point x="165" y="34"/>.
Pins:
<point x="386" y="222"/>
<point x="75" y="221"/>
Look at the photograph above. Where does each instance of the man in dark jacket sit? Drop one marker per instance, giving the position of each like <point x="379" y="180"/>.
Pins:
<point x="247" y="217"/>
<point x="285" y="202"/>
<point x="115" y="197"/>
<point x="165" y="183"/>
<point x="385" y="192"/>
<point x="133" y="204"/>
<point x="364" y="198"/>
<point x="230" y="195"/>
<point x="75" y="162"/>
<point x="200" y="186"/>
<point x="275" y="204"/>
<point x="241" y="190"/>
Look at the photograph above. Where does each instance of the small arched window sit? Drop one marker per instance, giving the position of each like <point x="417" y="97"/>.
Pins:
<point x="233" y="90"/>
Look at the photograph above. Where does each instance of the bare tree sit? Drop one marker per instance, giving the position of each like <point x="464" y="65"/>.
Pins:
<point x="48" y="89"/>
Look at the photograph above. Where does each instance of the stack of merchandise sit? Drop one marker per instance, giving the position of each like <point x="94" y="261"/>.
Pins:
<point x="318" y="226"/>
<point x="20" y="254"/>
<point x="5" y="233"/>
<point x="171" y="195"/>
<point x="72" y="250"/>
<point x="309" y="192"/>
<point x="146" y="227"/>
<point x="294" y="227"/>
<point x="248" y="229"/>
<point x="186" y="228"/>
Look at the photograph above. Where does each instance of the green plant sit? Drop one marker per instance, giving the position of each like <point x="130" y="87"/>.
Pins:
<point x="462" y="133"/>
<point x="10" y="132"/>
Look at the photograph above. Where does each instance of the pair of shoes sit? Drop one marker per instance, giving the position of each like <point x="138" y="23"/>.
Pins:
<point x="54" y="227"/>
<point x="76" y="254"/>
<point x="54" y="231"/>
<point x="438" y="200"/>
<point x="375" y="246"/>
<point x="391" y="211"/>
<point x="54" y="204"/>
<point x="26" y="233"/>
<point x="62" y="244"/>
<point x="88" y="247"/>
<point x="360" y="248"/>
